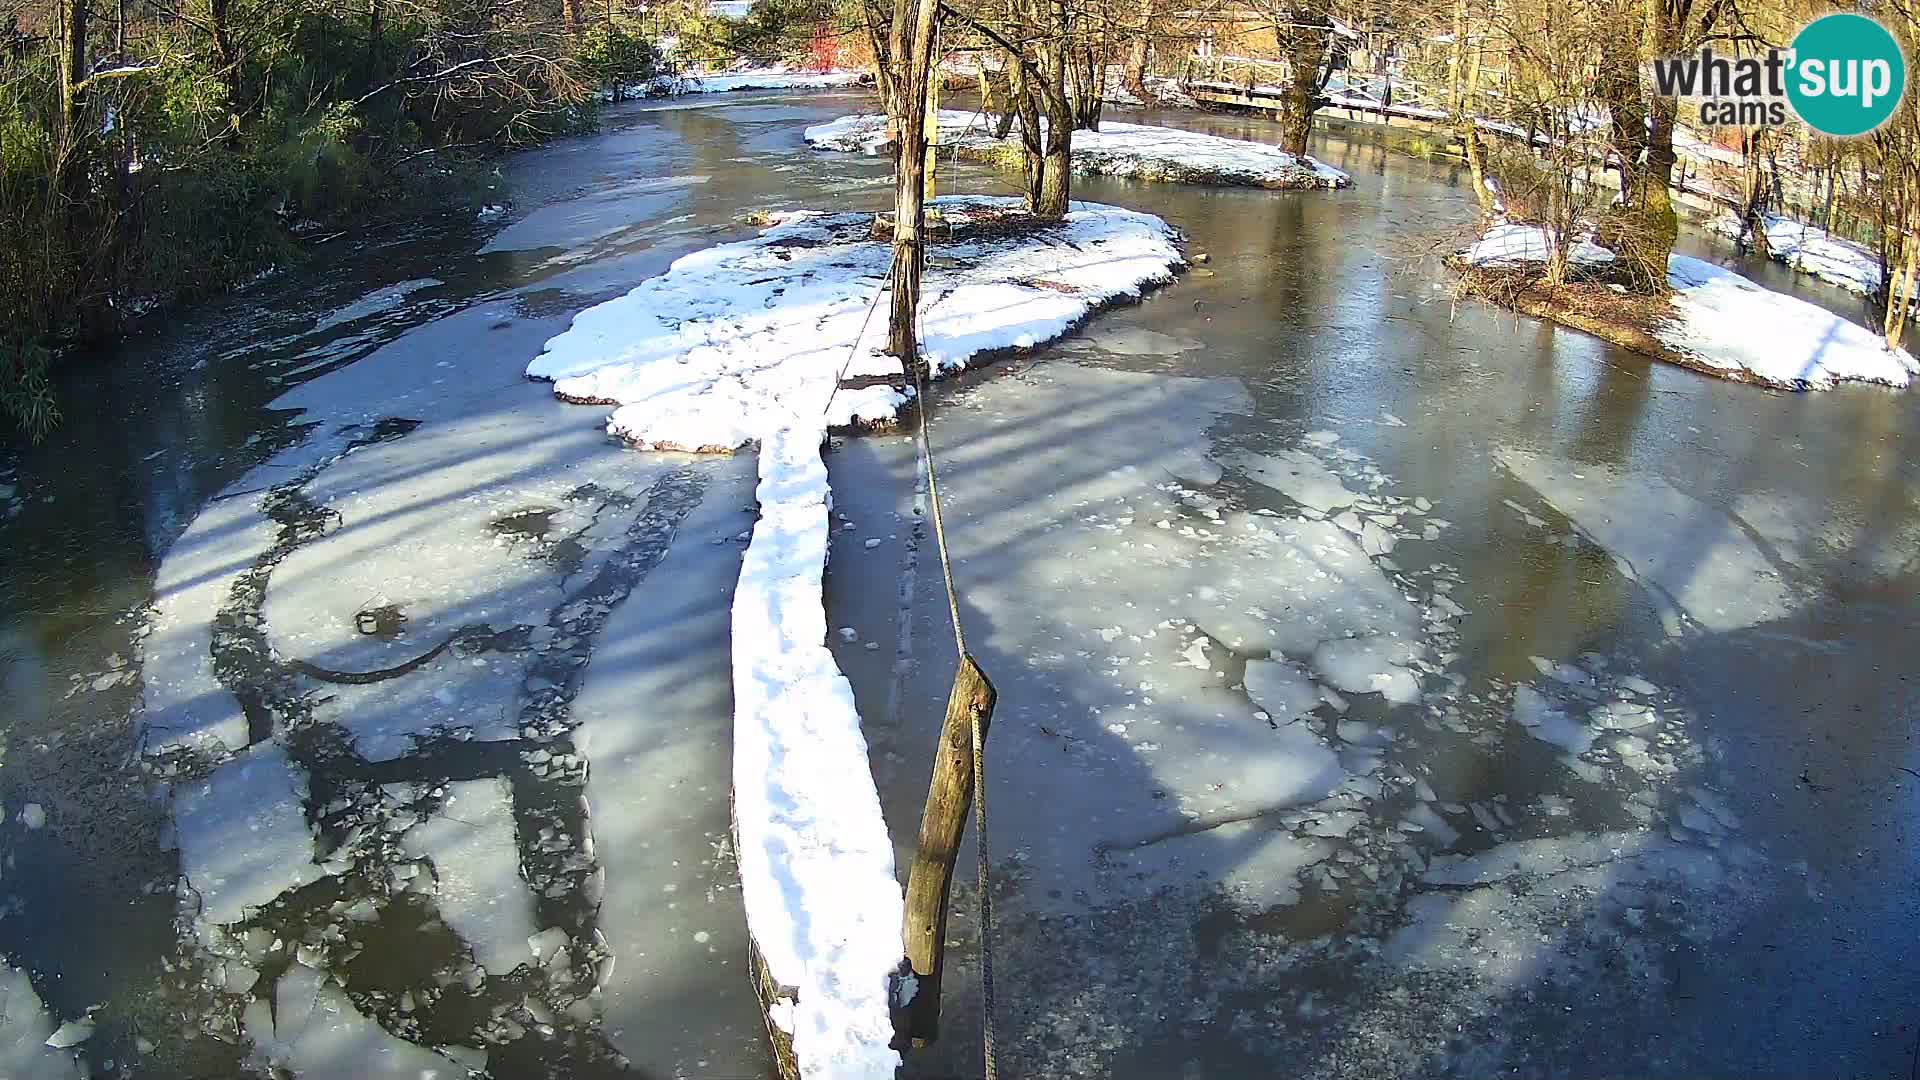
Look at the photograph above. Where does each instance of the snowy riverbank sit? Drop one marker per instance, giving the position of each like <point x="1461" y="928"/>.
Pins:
<point x="746" y="342"/>
<point x="1136" y="151"/>
<point x="1812" y="250"/>
<point x="1720" y="322"/>
<point x="772" y="77"/>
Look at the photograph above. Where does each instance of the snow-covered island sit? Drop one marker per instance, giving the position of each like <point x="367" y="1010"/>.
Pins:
<point x="773" y="77"/>
<point x="1135" y="151"/>
<point x="1714" y="320"/>
<point x="767" y="77"/>
<point x="746" y="343"/>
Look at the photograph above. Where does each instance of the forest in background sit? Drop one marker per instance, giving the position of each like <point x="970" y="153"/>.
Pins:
<point x="157" y="152"/>
<point x="154" y="152"/>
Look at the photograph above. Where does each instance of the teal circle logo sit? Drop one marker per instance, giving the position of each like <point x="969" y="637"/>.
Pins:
<point x="1846" y="76"/>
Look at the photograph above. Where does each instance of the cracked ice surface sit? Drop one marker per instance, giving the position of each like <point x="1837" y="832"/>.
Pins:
<point x="25" y="1026"/>
<point x="1244" y="743"/>
<point x="314" y="1032"/>
<point x="451" y="533"/>
<point x="656" y="705"/>
<point x="471" y="845"/>
<point x="243" y="834"/>
<point x="1188" y="677"/>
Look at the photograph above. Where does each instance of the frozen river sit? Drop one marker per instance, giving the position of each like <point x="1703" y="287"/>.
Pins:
<point x="1389" y="686"/>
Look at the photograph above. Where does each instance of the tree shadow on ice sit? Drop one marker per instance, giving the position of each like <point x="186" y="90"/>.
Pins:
<point x="1592" y="871"/>
<point x="373" y="905"/>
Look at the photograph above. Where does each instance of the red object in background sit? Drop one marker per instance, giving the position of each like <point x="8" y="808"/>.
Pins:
<point x="824" y="55"/>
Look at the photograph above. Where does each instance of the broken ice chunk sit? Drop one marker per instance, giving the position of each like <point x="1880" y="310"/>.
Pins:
<point x="1281" y="688"/>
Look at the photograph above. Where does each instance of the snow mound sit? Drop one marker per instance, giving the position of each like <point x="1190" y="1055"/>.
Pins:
<point x="745" y="338"/>
<point x="1509" y="244"/>
<point x="1729" y="323"/>
<point x="1137" y="151"/>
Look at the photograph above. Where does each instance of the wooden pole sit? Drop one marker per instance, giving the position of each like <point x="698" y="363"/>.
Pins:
<point x="930" y="882"/>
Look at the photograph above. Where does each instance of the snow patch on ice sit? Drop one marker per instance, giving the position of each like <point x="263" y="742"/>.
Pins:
<point x="1728" y="322"/>
<point x="1510" y="244"/>
<point x="746" y="342"/>
<point x="1812" y="250"/>
<point x="770" y="77"/>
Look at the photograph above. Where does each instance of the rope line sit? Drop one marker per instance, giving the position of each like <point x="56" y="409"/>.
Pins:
<point x="854" y="349"/>
<point x="988" y="1010"/>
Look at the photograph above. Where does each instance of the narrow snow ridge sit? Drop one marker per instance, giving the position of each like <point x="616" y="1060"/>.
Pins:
<point x="816" y="864"/>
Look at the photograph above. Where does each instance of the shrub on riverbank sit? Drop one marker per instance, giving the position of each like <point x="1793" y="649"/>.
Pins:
<point x="164" y="155"/>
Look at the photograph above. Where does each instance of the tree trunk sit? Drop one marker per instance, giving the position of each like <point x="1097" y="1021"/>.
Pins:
<point x="375" y="9"/>
<point x="1304" y="40"/>
<point x="1056" y="169"/>
<point x="1141" y="53"/>
<point x="1470" y="134"/>
<point x="1056" y="172"/>
<point x="1458" y="67"/>
<point x="1089" y="86"/>
<point x="912" y="54"/>
<point x="1662" y="224"/>
<point x="228" y="53"/>
<point x="1001" y="113"/>
<point x="73" y="63"/>
<point x="1618" y="84"/>
<point x="1023" y="93"/>
<point x="1756" y="192"/>
<point x="877" y="44"/>
<point x="1898" y="290"/>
